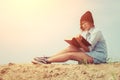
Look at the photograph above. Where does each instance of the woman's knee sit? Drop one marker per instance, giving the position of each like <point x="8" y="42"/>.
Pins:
<point x="72" y="49"/>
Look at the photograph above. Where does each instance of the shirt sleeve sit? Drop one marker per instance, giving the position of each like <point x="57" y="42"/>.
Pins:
<point x="94" y="38"/>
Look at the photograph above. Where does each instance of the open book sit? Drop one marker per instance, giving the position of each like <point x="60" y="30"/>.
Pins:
<point x="75" y="43"/>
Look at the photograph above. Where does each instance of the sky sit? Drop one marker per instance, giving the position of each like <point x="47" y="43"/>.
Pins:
<point x="30" y="28"/>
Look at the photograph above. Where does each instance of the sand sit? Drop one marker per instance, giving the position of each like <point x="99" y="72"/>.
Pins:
<point x="13" y="71"/>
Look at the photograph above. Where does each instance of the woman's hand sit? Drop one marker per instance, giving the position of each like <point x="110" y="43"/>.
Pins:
<point x="79" y="40"/>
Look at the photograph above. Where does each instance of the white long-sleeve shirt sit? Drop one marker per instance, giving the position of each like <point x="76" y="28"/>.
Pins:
<point x="96" y="39"/>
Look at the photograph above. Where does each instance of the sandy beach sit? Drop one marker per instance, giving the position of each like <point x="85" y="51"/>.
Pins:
<point x="13" y="71"/>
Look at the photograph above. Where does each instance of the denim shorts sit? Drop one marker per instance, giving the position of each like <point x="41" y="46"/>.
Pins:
<point x="98" y="57"/>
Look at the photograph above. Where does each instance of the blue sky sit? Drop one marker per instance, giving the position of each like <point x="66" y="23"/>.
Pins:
<point x="31" y="28"/>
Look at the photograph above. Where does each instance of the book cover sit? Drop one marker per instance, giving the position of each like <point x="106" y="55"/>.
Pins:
<point x="75" y="43"/>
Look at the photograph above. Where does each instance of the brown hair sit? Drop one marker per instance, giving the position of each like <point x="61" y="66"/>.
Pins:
<point x="86" y="17"/>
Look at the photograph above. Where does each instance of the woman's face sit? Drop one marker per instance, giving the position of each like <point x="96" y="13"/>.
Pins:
<point x="85" y="25"/>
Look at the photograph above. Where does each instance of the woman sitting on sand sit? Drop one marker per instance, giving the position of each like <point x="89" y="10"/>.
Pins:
<point x="96" y="53"/>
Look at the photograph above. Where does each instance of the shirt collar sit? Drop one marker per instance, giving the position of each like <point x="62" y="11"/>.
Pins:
<point x="91" y="30"/>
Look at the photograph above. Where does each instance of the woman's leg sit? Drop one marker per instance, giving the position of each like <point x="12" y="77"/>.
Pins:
<point x="78" y="56"/>
<point x="66" y="50"/>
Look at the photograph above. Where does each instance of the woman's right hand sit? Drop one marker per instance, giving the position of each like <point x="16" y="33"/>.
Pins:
<point x="78" y="37"/>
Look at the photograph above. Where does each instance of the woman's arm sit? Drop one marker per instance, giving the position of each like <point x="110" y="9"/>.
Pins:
<point x="85" y="48"/>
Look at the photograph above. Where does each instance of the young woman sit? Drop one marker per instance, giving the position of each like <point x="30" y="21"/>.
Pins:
<point x="96" y="53"/>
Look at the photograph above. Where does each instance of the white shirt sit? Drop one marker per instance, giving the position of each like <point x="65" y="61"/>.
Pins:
<point x="95" y="37"/>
